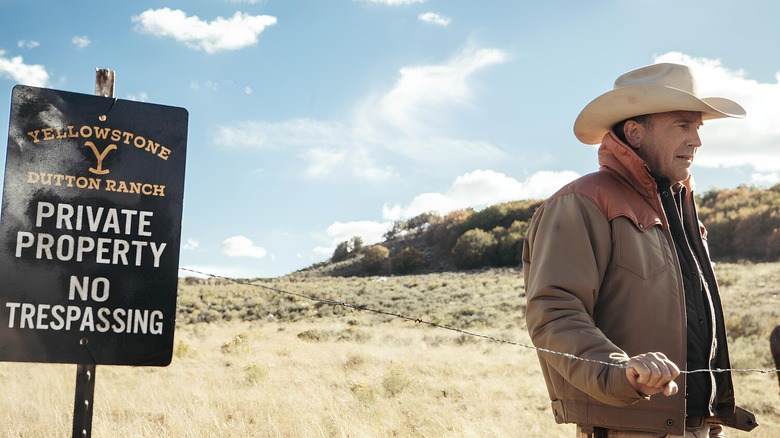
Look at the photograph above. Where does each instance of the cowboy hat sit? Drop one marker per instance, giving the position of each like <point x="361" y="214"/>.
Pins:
<point x="652" y="89"/>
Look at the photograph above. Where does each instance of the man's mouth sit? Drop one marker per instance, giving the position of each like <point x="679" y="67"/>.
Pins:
<point x="688" y="158"/>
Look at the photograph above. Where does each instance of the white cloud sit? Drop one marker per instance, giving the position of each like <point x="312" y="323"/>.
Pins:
<point x="191" y="245"/>
<point x="237" y="32"/>
<point x="434" y="18"/>
<point x="765" y="179"/>
<point x="15" y="69"/>
<point x="479" y="189"/>
<point x="323" y="251"/>
<point x="143" y="96"/>
<point x="247" y="90"/>
<point x="393" y="2"/>
<point x="421" y="91"/>
<point x="323" y="160"/>
<point x="24" y="44"/>
<point x="81" y="41"/>
<point x="371" y="232"/>
<point x="240" y="246"/>
<point x="293" y="132"/>
<point x="752" y="141"/>
<point x="208" y="85"/>
<point x="410" y="121"/>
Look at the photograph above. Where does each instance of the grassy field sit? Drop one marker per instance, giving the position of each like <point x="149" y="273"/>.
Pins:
<point x="251" y="361"/>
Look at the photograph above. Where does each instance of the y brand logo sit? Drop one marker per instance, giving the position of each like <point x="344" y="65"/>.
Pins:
<point x="100" y="156"/>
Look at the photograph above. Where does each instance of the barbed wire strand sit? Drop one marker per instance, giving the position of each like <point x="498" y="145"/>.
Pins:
<point x="456" y="329"/>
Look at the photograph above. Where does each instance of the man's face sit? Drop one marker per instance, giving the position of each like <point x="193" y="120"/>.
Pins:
<point x="668" y="143"/>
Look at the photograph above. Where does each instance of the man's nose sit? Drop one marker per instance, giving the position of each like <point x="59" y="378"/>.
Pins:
<point x="695" y="139"/>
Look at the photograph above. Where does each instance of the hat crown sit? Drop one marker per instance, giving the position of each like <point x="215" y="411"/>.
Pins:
<point x="659" y="75"/>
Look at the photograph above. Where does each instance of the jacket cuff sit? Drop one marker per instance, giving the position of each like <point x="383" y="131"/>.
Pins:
<point x="622" y="390"/>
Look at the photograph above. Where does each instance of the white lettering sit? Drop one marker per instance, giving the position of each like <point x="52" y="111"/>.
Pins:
<point x="85" y="319"/>
<point x="12" y="307"/>
<point x="45" y="209"/>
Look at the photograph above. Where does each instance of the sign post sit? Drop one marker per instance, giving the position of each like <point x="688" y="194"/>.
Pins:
<point x="85" y="395"/>
<point x="90" y="232"/>
<point x="85" y="372"/>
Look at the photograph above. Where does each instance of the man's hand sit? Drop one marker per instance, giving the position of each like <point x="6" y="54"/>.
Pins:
<point x="651" y="373"/>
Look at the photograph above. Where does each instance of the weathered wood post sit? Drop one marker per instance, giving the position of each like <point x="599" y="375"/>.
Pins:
<point x="85" y="372"/>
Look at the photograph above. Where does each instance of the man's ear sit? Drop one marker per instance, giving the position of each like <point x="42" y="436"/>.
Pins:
<point x="633" y="131"/>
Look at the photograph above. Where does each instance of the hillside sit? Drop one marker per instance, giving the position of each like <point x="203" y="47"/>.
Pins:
<point x="743" y="225"/>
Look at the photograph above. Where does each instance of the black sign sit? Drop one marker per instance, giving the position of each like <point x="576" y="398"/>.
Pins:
<point x="90" y="229"/>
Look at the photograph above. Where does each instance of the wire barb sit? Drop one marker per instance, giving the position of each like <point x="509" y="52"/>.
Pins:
<point x="458" y="330"/>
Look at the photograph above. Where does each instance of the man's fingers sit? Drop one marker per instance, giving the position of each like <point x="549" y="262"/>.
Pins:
<point x="653" y="371"/>
<point x="670" y="388"/>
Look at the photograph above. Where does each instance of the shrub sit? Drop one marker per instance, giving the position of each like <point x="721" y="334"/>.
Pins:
<point x="443" y="233"/>
<point x="356" y="246"/>
<point x="363" y="392"/>
<point x="182" y="349"/>
<point x="238" y="344"/>
<point x="255" y="372"/>
<point x="422" y="221"/>
<point x="355" y="361"/>
<point x="470" y="249"/>
<point x="743" y="223"/>
<point x="509" y="244"/>
<point x="341" y="252"/>
<point x="313" y="335"/>
<point x="503" y="215"/>
<point x="374" y="258"/>
<point x="407" y="261"/>
<point x="395" y="380"/>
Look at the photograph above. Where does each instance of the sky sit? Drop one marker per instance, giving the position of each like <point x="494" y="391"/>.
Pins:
<point x="314" y="121"/>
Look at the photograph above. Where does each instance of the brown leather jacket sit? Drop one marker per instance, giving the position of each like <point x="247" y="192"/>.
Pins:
<point x="603" y="282"/>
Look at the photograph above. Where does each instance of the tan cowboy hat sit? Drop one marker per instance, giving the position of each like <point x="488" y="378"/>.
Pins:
<point x="652" y="89"/>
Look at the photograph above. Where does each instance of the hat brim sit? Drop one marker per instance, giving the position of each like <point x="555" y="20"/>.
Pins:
<point x="601" y="114"/>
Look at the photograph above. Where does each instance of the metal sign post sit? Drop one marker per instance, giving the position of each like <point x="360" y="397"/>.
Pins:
<point x="85" y="394"/>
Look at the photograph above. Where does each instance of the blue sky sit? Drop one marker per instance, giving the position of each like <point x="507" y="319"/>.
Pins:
<point x="313" y="121"/>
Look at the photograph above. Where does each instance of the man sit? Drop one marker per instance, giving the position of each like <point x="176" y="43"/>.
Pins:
<point x="617" y="272"/>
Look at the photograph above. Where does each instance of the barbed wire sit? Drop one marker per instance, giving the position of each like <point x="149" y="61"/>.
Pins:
<point x="455" y="329"/>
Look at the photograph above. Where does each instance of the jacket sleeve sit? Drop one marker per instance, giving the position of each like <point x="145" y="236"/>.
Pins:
<point x="565" y="256"/>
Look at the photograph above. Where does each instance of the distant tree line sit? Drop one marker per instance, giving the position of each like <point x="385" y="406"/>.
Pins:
<point x="461" y="239"/>
<point x="742" y="224"/>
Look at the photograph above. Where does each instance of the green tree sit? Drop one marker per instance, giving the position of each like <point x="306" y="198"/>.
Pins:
<point x="742" y="223"/>
<point x="422" y="221"/>
<point x="444" y="232"/>
<point x="407" y="261"/>
<point x="356" y="245"/>
<point x="471" y="248"/>
<point x="341" y="252"/>
<point x="374" y="258"/>
<point x="509" y="244"/>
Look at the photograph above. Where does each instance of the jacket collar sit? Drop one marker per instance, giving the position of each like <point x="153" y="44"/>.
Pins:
<point x="619" y="159"/>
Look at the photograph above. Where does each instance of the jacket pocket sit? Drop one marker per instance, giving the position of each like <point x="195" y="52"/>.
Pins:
<point x="644" y="253"/>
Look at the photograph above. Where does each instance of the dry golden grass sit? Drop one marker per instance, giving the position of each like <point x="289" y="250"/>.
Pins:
<point x="319" y="371"/>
